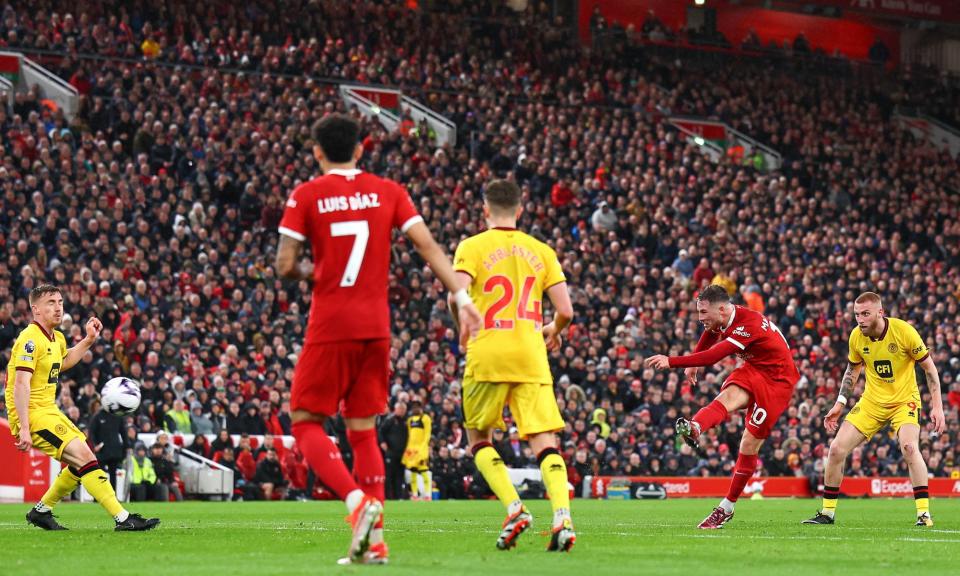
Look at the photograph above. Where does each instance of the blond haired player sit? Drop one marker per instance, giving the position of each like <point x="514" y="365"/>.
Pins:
<point x="507" y="273"/>
<point x="887" y="349"/>
<point x="38" y="357"/>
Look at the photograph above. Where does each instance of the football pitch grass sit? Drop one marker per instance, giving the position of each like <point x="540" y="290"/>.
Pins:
<point x="613" y="537"/>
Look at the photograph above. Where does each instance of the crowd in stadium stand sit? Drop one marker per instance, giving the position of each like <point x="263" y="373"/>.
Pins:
<point x="157" y="210"/>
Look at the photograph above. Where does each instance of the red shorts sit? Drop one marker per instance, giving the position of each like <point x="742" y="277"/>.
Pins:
<point x="769" y="398"/>
<point x="349" y="377"/>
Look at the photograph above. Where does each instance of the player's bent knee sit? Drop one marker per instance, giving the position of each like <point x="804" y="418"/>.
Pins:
<point x="838" y="451"/>
<point x="909" y="449"/>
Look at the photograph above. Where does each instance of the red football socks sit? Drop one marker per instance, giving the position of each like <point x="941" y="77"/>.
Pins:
<point x="710" y="415"/>
<point x="742" y="472"/>
<point x="324" y="458"/>
<point x="367" y="462"/>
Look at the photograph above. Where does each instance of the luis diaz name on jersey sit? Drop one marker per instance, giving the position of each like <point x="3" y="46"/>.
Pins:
<point x="356" y="202"/>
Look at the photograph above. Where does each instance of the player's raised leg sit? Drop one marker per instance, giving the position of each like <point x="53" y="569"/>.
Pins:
<point x="347" y="375"/>
<point x="368" y="469"/>
<point x="327" y="463"/>
<point x="365" y="400"/>
<point x="730" y="399"/>
<point x="848" y="438"/>
<point x="554" y="471"/>
<point x="490" y="464"/>
<point x="909" y="438"/>
<point x="483" y="404"/>
<point x="79" y="456"/>
<point x="535" y="409"/>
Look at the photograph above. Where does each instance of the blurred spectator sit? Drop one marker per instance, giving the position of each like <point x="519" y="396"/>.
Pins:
<point x="603" y="218"/>
<point x="108" y="434"/>
<point x="200" y="423"/>
<point x="177" y="420"/>
<point x="166" y="481"/>
<point x="393" y="443"/>
<point x="270" y="476"/>
<point x="143" y="480"/>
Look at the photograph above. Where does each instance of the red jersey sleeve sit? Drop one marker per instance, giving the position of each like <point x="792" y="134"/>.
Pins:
<point x="405" y="214"/>
<point x="707" y="339"/>
<point x="706" y="358"/>
<point x="294" y="221"/>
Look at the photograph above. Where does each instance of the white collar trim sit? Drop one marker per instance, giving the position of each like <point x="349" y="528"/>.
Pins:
<point x="349" y="173"/>
<point x="733" y="315"/>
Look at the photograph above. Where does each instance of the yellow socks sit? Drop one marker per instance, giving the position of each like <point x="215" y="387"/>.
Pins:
<point x="554" y="471"/>
<point x="921" y="496"/>
<point x="65" y="483"/>
<point x="97" y="483"/>
<point x="491" y="465"/>
<point x="830" y="495"/>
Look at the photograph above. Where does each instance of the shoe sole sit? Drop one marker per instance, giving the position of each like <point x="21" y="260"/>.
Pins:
<point x="44" y="528"/>
<point x="349" y="562"/>
<point x="149" y="526"/>
<point x="685" y="431"/>
<point x="566" y="545"/>
<point x="361" y="535"/>
<point x="511" y="540"/>
<point x="720" y="527"/>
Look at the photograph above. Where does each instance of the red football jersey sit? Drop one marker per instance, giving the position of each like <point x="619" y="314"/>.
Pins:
<point x="348" y="216"/>
<point x="761" y="345"/>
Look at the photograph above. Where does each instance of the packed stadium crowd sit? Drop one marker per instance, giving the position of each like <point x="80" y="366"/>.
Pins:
<point x="156" y="209"/>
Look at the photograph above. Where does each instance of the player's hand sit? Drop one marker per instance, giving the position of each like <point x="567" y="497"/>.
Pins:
<point x="658" y="362"/>
<point x="24" y="442"/>
<point x="94" y="327"/>
<point x="832" y="420"/>
<point x="691" y="375"/>
<point x="469" y="322"/>
<point x="937" y="420"/>
<point x="552" y="337"/>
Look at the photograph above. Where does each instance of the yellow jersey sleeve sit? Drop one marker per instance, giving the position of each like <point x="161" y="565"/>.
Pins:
<point x="63" y="344"/>
<point x="553" y="273"/>
<point x="853" y="344"/>
<point x="464" y="261"/>
<point x="914" y="344"/>
<point x="26" y="351"/>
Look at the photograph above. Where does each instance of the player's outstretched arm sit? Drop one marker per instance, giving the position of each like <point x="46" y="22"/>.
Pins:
<point x="466" y="311"/>
<point x="562" y="316"/>
<point x="288" y="265"/>
<point x="75" y="354"/>
<point x="936" y="401"/>
<point x="706" y="358"/>
<point x="847" y="384"/>
<point x="21" y="401"/>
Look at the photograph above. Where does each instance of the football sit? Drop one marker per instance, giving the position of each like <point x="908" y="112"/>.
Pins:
<point x="120" y="396"/>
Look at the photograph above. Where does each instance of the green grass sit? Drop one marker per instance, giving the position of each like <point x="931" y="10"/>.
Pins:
<point x="614" y="537"/>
